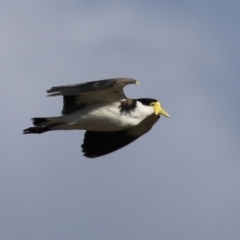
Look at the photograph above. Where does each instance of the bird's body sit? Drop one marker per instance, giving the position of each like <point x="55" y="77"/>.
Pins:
<point x="103" y="118"/>
<point x="100" y="107"/>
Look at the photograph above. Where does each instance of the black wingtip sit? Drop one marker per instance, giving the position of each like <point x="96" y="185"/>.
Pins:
<point x="97" y="144"/>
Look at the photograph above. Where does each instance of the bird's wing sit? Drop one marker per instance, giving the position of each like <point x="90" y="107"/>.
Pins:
<point x="80" y="95"/>
<point x="96" y="144"/>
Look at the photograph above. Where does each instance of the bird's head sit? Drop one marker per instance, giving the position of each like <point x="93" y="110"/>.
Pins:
<point x="157" y="108"/>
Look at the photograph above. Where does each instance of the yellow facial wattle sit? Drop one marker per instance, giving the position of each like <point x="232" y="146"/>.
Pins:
<point x="158" y="110"/>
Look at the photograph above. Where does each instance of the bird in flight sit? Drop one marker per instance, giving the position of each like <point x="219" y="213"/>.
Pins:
<point x="111" y="119"/>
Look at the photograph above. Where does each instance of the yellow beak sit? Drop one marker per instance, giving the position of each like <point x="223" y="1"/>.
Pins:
<point x="159" y="110"/>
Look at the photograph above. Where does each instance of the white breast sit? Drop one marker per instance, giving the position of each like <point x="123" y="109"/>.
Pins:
<point x="106" y="118"/>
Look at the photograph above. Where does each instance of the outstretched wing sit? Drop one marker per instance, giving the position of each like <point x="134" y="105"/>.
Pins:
<point x="80" y="95"/>
<point x="96" y="144"/>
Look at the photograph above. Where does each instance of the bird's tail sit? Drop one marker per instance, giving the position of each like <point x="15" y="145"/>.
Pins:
<point x="36" y="130"/>
<point x="43" y="125"/>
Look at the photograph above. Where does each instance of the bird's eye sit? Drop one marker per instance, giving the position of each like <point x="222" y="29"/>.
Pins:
<point x="152" y="104"/>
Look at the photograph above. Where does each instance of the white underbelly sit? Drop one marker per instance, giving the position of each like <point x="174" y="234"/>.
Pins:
<point x="102" y="119"/>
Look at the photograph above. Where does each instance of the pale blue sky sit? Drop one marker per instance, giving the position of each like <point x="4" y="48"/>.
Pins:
<point x="181" y="180"/>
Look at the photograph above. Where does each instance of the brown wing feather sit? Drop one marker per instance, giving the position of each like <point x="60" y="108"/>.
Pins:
<point x="96" y="144"/>
<point x="79" y="95"/>
<point x="94" y="86"/>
